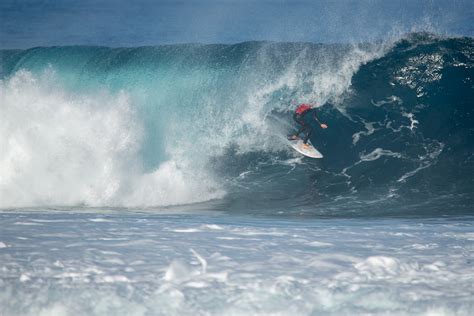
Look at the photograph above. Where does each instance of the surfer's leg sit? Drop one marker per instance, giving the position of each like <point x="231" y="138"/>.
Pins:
<point x="301" y="130"/>
<point x="298" y="132"/>
<point x="308" y="132"/>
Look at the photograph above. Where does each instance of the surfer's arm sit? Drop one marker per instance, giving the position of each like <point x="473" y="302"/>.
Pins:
<point x="319" y="122"/>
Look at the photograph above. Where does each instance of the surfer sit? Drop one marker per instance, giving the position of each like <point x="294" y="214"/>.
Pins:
<point x="303" y="115"/>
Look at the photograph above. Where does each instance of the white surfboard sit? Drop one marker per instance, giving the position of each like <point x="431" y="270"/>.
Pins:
<point x="308" y="151"/>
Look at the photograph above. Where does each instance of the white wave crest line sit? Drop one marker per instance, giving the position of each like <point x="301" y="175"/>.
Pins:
<point x="411" y="127"/>
<point x="413" y="121"/>
<point x="374" y="155"/>
<point x="377" y="153"/>
<point x="423" y="164"/>
<point x="390" y="100"/>
<point x="369" y="126"/>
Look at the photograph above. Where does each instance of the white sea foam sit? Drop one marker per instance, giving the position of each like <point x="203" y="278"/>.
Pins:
<point x="377" y="153"/>
<point x="394" y="100"/>
<point x="369" y="126"/>
<point x="328" y="266"/>
<point x="63" y="148"/>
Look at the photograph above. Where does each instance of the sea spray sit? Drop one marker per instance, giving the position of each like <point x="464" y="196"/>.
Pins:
<point x="65" y="148"/>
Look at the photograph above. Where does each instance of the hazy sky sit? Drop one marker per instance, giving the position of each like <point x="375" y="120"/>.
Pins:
<point x="29" y="23"/>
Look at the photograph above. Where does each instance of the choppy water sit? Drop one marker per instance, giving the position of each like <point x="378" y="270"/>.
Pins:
<point x="141" y="263"/>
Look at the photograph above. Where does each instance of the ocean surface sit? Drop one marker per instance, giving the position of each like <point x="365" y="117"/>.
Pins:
<point x="158" y="180"/>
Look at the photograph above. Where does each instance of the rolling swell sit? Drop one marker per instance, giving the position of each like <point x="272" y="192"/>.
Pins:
<point x="207" y="122"/>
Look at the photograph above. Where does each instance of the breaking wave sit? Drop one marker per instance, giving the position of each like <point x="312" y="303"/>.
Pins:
<point x="181" y="124"/>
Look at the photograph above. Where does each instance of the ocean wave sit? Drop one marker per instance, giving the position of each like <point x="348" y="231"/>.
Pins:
<point x="179" y="124"/>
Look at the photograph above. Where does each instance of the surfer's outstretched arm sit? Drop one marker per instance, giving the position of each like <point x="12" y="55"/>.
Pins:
<point x="322" y="125"/>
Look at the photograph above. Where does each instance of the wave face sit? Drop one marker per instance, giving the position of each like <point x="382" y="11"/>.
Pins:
<point x="181" y="124"/>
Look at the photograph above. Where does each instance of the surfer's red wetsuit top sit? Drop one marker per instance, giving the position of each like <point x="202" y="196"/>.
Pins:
<point x="299" y="116"/>
<point x="302" y="108"/>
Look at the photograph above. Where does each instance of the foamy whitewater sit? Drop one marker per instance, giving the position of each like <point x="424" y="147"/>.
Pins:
<point x="158" y="180"/>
